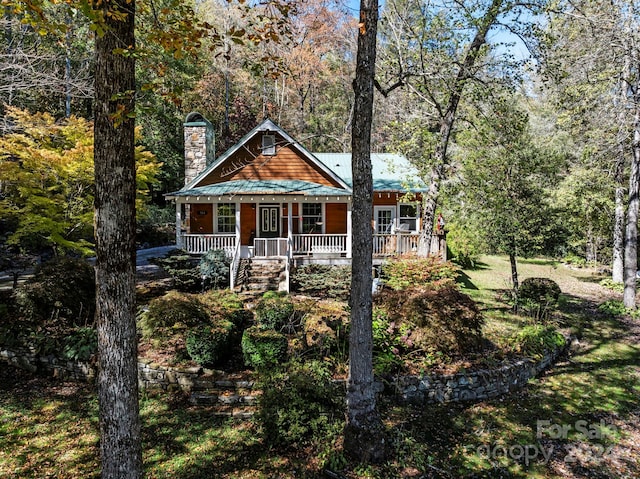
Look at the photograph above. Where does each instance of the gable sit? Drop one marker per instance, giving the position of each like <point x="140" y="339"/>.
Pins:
<point x="249" y="163"/>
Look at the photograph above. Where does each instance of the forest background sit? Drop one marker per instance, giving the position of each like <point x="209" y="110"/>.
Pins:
<point x="527" y="154"/>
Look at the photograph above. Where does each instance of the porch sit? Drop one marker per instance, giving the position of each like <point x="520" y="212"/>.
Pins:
<point x="309" y="245"/>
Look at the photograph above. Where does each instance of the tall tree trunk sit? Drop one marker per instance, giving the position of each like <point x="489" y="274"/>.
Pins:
<point x="447" y="122"/>
<point x="619" y="228"/>
<point x="618" y="236"/>
<point x="514" y="271"/>
<point x="631" y="234"/>
<point x="364" y="437"/>
<point x="120" y="441"/>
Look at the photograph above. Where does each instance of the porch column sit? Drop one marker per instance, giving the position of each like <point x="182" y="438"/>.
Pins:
<point x="238" y="206"/>
<point x="349" y="230"/>
<point x="290" y="227"/>
<point x="179" y="244"/>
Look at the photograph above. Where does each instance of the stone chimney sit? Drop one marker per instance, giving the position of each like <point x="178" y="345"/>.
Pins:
<point x="199" y="145"/>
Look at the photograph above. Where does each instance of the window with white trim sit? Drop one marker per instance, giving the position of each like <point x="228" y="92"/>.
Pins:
<point x="409" y="217"/>
<point x="311" y="218"/>
<point x="226" y="217"/>
<point x="268" y="145"/>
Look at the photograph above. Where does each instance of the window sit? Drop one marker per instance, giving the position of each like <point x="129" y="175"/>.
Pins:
<point x="311" y="218"/>
<point x="408" y="217"/>
<point x="226" y="214"/>
<point x="384" y="220"/>
<point x="268" y="144"/>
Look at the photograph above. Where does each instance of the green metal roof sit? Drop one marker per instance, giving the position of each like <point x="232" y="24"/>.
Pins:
<point x="258" y="187"/>
<point x="391" y="172"/>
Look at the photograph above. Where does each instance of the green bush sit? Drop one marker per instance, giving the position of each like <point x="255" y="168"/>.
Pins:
<point x="171" y="312"/>
<point x="387" y="344"/>
<point x="225" y="304"/>
<point x="404" y="273"/>
<point x="81" y="344"/>
<point x="613" y="307"/>
<point x="274" y="311"/>
<point x="183" y="269"/>
<point x="263" y="348"/>
<point x="325" y="329"/>
<point x="61" y="288"/>
<point x="322" y="281"/>
<point x="207" y="345"/>
<point x="444" y="319"/>
<point x="535" y="340"/>
<point x="214" y="269"/>
<point x="537" y="297"/>
<point x="612" y="285"/>
<point x="464" y="245"/>
<point x="300" y="405"/>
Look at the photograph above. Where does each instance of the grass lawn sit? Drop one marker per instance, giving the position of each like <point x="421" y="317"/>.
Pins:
<point x="580" y="419"/>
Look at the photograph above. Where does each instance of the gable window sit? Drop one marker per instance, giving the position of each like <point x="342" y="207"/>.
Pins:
<point x="226" y="217"/>
<point x="408" y="220"/>
<point x="311" y="218"/>
<point x="268" y="145"/>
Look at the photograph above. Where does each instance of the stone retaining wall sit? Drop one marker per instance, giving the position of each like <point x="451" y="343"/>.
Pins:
<point x="473" y="385"/>
<point x="215" y="387"/>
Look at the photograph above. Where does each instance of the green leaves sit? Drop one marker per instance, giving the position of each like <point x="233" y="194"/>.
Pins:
<point x="47" y="170"/>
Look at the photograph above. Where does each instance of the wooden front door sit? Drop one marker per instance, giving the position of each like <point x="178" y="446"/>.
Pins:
<point x="269" y="221"/>
<point x="201" y="219"/>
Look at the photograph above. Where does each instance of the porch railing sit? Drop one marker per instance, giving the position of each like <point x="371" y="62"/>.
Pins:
<point x="310" y="243"/>
<point x="399" y="243"/>
<point x="269" y="247"/>
<point x="233" y="267"/>
<point x="200" y="244"/>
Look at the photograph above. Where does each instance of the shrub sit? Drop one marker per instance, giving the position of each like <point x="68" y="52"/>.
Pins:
<point x="613" y="307"/>
<point x="274" y="311"/>
<point x="464" y="245"/>
<point x="171" y="312"/>
<point x="214" y="269"/>
<point x="183" y="269"/>
<point x="263" y="348"/>
<point x="537" y="297"/>
<point x="300" y="404"/>
<point x="404" y="273"/>
<point x="536" y="340"/>
<point x="322" y="281"/>
<point x="81" y="344"/>
<point x="387" y="345"/>
<point x="612" y="285"/>
<point x="225" y="304"/>
<point x="325" y="329"/>
<point x="207" y="345"/>
<point x="61" y="288"/>
<point x="444" y="319"/>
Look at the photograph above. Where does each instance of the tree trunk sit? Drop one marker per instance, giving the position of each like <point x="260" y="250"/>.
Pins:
<point x="619" y="227"/>
<point x="618" y="236"/>
<point x="120" y="441"/>
<point x="514" y="272"/>
<point x="631" y="234"/>
<point x="364" y="437"/>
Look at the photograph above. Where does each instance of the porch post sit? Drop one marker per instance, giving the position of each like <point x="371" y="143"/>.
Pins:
<point x="290" y="226"/>
<point x="238" y="206"/>
<point x="349" y="232"/>
<point x="179" y="244"/>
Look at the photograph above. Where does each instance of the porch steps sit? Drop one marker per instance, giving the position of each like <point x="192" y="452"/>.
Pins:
<point x="260" y="275"/>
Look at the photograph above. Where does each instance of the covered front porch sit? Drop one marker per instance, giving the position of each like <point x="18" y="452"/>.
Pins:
<point x="319" y="246"/>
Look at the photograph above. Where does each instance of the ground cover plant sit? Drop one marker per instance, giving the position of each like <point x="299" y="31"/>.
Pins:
<point x="50" y="428"/>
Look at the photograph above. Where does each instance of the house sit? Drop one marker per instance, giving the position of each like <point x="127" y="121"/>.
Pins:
<point x="268" y="199"/>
